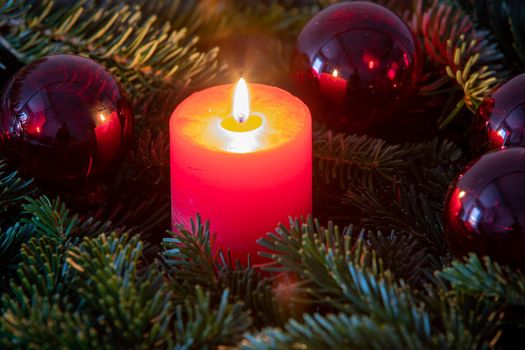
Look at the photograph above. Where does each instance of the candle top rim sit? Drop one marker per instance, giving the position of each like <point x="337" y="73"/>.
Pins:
<point x="197" y="120"/>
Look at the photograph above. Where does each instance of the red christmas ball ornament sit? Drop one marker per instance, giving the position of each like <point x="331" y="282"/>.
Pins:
<point x="485" y="208"/>
<point x="354" y="65"/>
<point x="64" y="120"/>
<point x="500" y="119"/>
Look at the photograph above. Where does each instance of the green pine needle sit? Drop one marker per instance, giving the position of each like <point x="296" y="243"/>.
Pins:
<point x="486" y="277"/>
<point x="147" y="59"/>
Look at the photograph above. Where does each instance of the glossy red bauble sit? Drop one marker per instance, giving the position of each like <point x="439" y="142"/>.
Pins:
<point x="355" y="64"/>
<point x="64" y="120"/>
<point x="500" y="120"/>
<point x="485" y="209"/>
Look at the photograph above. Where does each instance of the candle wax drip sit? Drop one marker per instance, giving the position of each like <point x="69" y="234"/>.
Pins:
<point x="253" y="122"/>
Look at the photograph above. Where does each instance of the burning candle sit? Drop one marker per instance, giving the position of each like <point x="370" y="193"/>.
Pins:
<point x="244" y="166"/>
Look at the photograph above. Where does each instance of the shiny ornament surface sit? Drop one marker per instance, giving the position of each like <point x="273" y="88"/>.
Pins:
<point x="355" y="63"/>
<point x="500" y="120"/>
<point x="64" y="120"/>
<point x="485" y="209"/>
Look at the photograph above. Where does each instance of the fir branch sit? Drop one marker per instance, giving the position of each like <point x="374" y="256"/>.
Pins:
<point x="408" y="200"/>
<point x="404" y="210"/>
<point x="385" y="315"/>
<point x="189" y="255"/>
<point x="151" y="157"/>
<point x="305" y="246"/>
<point x="224" y="18"/>
<point x="505" y="21"/>
<point x="356" y="282"/>
<point x="344" y="331"/>
<point x="100" y="294"/>
<point x="347" y="159"/>
<point x="289" y="246"/>
<point x="179" y="13"/>
<point x="132" y="306"/>
<point x="191" y="260"/>
<point x="42" y="274"/>
<point x="11" y="241"/>
<point x="146" y="59"/>
<point x="387" y="304"/>
<point x="412" y="204"/>
<point x="403" y="255"/>
<point x="319" y="256"/>
<point x="260" y="295"/>
<point x="57" y="305"/>
<point x="140" y="199"/>
<point x="249" y="32"/>
<point x="49" y="327"/>
<point x="199" y="325"/>
<point x="138" y="207"/>
<point x="470" y="56"/>
<point x="327" y="332"/>
<point x="468" y="322"/>
<point x="350" y="160"/>
<point x="13" y="188"/>
<point x="52" y="219"/>
<point x="475" y="78"/>
<point x="486" y="277"/>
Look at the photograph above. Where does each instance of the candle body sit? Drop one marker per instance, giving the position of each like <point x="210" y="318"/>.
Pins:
<point x="245" y="183"/>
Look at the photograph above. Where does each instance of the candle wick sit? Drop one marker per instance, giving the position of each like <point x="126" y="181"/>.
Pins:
<point x="241" y="118"/>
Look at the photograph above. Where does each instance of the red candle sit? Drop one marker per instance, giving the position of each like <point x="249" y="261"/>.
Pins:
<point x="246" y="166"/>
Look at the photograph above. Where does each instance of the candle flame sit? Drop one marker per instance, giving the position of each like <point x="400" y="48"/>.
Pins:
<point x="241" y="102"/>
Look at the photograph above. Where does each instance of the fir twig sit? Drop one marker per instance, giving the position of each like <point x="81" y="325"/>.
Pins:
<point x="314" y="253"/>
<point x="353" y="159"/>
<point x="486" y="277"/>
<point x="11" y="241"/>
<point x="505" y="21"/>
<point x="470" y="56"/>
<point x="52" y="219"/>
<point x="13" y="189"/>
<point x="191" y="260"/>
<point x="199" y="325"/>
<point x="148" y="60"/>
<point x="384" y="316"/>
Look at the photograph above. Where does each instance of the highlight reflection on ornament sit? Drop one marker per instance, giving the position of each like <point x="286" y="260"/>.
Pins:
<point x="109" y="137"/>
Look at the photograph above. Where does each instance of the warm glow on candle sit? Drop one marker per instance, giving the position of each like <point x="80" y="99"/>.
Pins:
<point x="231" y="172"/>
<point x="241" y="102"/>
